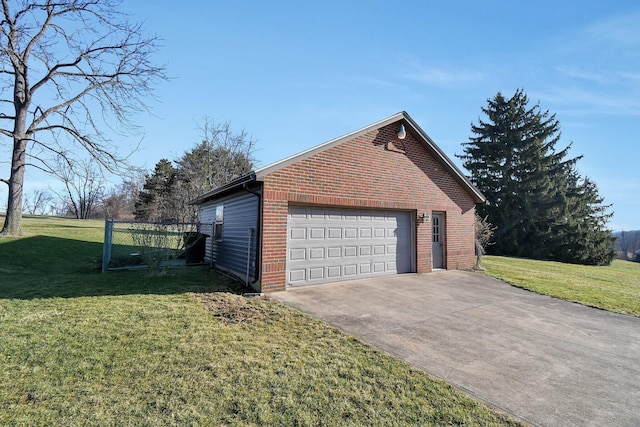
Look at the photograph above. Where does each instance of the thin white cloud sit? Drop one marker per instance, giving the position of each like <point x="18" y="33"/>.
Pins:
<point x="438" y="76"/>
<point x="620" y="30"/>
<point x="606" y="77"/>
<point x="633" y="77"/>
<point x="595" y="70"/>
<point x="585" y="74"/>
<point x="374" y="81"/>
<point x="592" y="101"/>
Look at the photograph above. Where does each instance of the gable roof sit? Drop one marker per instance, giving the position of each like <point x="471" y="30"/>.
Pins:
<point x="411" y="126"/>
<point x="402" y="117"/>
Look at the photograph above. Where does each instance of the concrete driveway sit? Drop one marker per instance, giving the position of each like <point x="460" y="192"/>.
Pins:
<point x="545" y="361"/>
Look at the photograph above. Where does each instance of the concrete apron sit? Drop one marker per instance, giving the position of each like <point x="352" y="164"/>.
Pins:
<point x="545" y="361"/>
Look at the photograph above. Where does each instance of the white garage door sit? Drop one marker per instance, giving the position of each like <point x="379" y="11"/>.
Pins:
<point x="327" y="244"/>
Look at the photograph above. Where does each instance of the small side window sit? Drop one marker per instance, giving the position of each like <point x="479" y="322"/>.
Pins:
<point x="218" y="228"/>
<point x="217" y="232"/>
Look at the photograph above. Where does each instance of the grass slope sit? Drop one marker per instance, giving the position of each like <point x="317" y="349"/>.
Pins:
<point x="614" y="288"/>
<point x="82" y="348"/>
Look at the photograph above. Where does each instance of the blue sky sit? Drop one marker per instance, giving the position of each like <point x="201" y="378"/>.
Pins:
<point x="296" y="74"/>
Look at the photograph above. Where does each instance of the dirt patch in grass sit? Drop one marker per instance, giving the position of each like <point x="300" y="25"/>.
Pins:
<point x="235" y="309"/>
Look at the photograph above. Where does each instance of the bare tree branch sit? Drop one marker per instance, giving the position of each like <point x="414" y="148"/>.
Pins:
<point x="37" y="202"/>
<point x="221" y="156"/>
<point x="83" y="183"/>
<point x="85" y="57"/>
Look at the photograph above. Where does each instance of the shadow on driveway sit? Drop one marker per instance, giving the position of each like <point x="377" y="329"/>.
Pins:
<point x="546" y="361"/>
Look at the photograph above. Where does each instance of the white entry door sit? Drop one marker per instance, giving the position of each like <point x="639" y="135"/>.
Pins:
<point x="329" y="244"/>
<point x="437" y="240"/>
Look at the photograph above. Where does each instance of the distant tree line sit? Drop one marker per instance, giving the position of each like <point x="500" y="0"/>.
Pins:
<point x="161" y="195"/>
<point x="83" y="200"/>
<point x="628" y="245"/>
<point x="539" y="204"/>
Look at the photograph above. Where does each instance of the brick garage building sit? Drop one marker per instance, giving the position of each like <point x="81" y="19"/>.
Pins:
<point x="381" y="200"/>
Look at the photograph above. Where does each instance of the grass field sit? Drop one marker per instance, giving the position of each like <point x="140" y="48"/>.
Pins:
<point x="78" y="347"/>
<point x="614" y="288"/>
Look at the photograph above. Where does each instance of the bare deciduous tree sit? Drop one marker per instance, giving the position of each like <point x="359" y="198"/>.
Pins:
<point x="37" y="202"/>
<point x="628" y="243"/>
<point x="484" y="232"/>
<point x="67" y="69"/>
<point x="221" y="156"/>
<point x="230" y="154"/>
<point x="83" y="186"/>
<point x="119" y="202"/>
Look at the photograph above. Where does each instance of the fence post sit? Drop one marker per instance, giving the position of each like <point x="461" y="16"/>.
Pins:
<point x="106" y="246"/>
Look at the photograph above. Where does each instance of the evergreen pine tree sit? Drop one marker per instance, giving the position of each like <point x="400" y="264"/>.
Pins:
<point x="206" y="167"/>
<point x="221" y="157"/>
<point x="582" y="235"/>
<point x="533" y="191"/>
<point x="157" y="200"/>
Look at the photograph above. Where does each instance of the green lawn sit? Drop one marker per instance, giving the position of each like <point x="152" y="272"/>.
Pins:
<point x="614" y="288"/>
<point x="78" y="347"/>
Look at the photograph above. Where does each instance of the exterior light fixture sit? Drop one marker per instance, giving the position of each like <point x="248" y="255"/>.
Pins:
<point x="425" y="217"/>
<point x="401" y="132"/>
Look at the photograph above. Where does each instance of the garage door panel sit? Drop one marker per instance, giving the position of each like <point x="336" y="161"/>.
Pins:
<point x="300" y="214"/>
<point x="350" y="251"/>
<point x="316" y="253"/>
<point x="366" y="233"/>
<point x="334" y="233"/>
<point x="350" y="233"/>
<point x="316" y="233"/>
<point x="298" y="276"/>
<point x="350" y="215"/>
<point x="334" y="214"/>
<point x="297" y="254"/>
<point x="328" y="244"/>
<point x="335" y="252"/>
<point x="316" y="273"/>
<point x="298" y="233"/>
<point x="350" y="270"/>
<point x="316" y="214"/>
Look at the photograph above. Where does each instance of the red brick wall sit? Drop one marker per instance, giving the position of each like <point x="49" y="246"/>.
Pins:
<point x="374" y="170"/>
